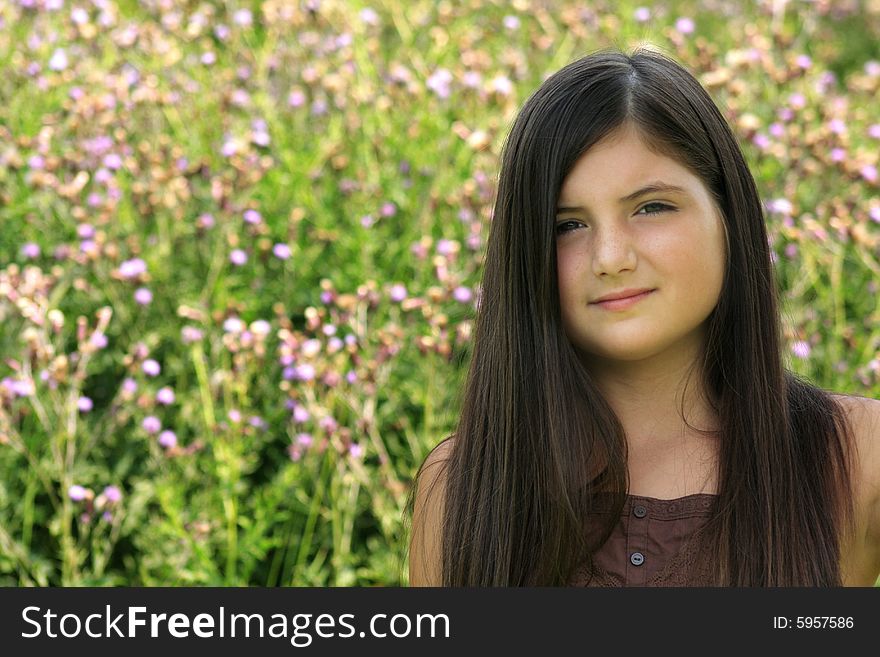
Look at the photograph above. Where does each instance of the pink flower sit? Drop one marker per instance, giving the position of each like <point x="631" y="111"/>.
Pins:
<point x="369" y="16"/>
<point x="167" y="439"/>
<point x="398" y="293"/>
<point x="77" y="493"/>
<point x="151" y="367"/>
<point x="837" y="126"/>
<point x="501" y="84"/>
<point x="305" y="372"/>
<point x="243" y="17"/>
<point x="445" y="247"/>
<point x="132" y="268"/>
<point x="296" y="98"/>
<point x="233" y="325"/>
<point x="59" y="60"/>
<point x="797" y="101"/>
<point x="84" y="404"/>
<point x="113" y="494"/>
<point x="804" y="61"/>
<point x="329" y="424"/>
<point x="439" y="82"/>
<point x="238" y="257"/>
<point x="300" y="414"/>
<point x="190" y="334"/>
<point x="30" y="250"/>
<point x="143" y="296"/>
<point x="801" y="349"/>
<point x="462" y="294"/>
<point x="684" y="25"/>
<point x="151" y="424"/>
<point x="165" y="395"/>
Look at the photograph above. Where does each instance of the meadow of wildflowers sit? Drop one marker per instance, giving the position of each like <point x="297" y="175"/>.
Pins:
<point x="241" y="246"/>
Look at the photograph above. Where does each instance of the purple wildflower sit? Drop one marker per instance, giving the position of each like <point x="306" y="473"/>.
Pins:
<point x="300" y="414"/>
<point x="801" y="349"/>
<point x="167" y="439"/>
<point x="30" y="250"/>
<point x="77" y="493"/>
<point x="113" y="494"/>
<point x="143" y="296"/>
<point x="151" y="367"/>
<point x="190" y="334"/>
<point x="132" y="268"/>
<point x="305" y="372"/>
<point x="59" y="60"/>
<point x="296" y="98"/>
<point x="685" y="25"/>
<point x="165" y="395"/>
<point x="151" y="424"/>
<point x="398" y="293"/>
<point x="462" y="294"/>
<point x="233" y="325"/>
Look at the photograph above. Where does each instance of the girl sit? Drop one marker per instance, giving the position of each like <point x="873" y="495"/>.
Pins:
<point x="627" y="419"/>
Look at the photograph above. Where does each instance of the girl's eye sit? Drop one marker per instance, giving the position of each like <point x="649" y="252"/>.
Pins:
<point x="560" y="226"/>
<point x="657" y="209"/>
<point x="663" y="208"/>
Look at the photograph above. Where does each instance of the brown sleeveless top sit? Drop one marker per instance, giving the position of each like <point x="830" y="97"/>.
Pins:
<point x="655" y="543"/>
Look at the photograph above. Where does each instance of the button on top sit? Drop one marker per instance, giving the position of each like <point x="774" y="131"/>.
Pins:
<point x="639" y="511"/>
<point x="637" y="558"/>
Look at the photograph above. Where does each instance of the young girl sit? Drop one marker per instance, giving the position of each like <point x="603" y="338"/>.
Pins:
<point x="627" y="419"/>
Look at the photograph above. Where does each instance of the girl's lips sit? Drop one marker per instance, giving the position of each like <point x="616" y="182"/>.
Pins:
<point x="622" y="304"/>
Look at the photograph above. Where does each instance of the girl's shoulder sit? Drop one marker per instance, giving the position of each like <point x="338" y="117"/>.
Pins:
<point x="427" y="521"/>
<point x="864" y="416"/>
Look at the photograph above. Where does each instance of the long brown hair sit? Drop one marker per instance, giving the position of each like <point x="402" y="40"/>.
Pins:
<point x="536" y="440"/>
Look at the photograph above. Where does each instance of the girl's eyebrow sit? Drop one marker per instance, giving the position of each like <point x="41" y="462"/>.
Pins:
<point x="650" y="188"/>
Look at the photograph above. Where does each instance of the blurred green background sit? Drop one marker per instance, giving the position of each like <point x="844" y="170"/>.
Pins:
<point x="241" y="245"/>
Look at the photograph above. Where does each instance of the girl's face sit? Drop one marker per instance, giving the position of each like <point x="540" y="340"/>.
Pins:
<point x="614" y="233"/>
